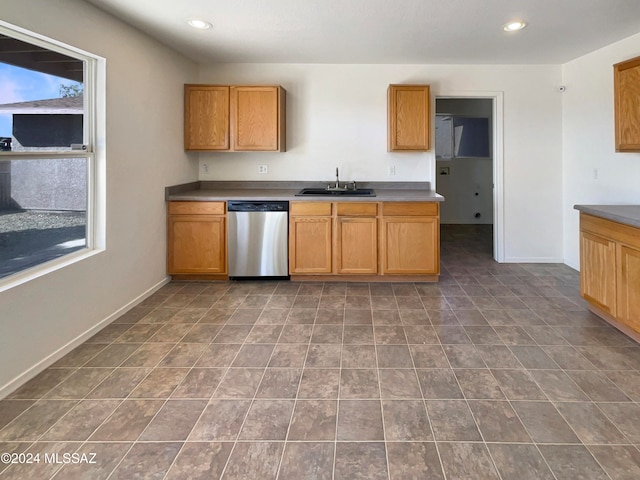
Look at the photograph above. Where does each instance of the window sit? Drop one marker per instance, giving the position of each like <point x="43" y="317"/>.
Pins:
<point x="50" y="207"/>
<point x="459" y="136"/>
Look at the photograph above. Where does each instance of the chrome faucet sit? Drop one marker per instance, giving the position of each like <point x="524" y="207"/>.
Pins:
<point x="336" y="186"/>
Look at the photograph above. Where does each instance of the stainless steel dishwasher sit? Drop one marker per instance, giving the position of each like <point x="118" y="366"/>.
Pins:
<point x="258" y="239"/>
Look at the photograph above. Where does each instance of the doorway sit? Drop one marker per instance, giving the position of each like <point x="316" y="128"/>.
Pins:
<point x="468" y="169"/>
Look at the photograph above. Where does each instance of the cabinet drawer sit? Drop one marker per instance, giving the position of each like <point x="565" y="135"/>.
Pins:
<point x="411" y="208"/>
<point x="357" y="209"/>
<point x="310" y="208"/>
<point x="610" y="229"/>
<point x="196" y="208"/>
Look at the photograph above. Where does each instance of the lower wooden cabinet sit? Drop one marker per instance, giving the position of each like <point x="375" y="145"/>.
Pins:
<point x="411" y="238"/>
<point x="410" y="245"/>
<point x="598" y="274"/>
<point x="310" y="249"/>
<point x="357" y="245"/>
<point x="364" y="238"/>
<point x="629" y="287"/>
<point x="610" y="271"/>
<point x="197" y="238"/>
<point x="310" y="238"/>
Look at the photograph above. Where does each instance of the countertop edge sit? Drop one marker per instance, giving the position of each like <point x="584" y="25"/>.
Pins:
<point x="624" y="214"/>
<point x="286" y="191"/>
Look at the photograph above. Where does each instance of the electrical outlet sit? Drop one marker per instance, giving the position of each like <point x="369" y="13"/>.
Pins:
<point x="263" y="168"/>
<point x="392" y="170"/>
<point x="205" y="168"/>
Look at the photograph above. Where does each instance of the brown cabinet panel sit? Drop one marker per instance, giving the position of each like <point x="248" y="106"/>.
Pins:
<point x="310" y="208"/>
<point x="257" y="118"/>
<point x="357" y="245"/>
<point x="626" y="85"/>
<point x="356" y="209"/>
<point x="411" y="245"/>
<point x="409" y="118"/>
<point x="197" y="244"/>
<point x="310" y="249"/>
<point x="629" y="287"/>
<point x="598" y="271"/>
<point x="196" y="208"/>
<point x="411" y="208"/>
<point x="206" y="117"/>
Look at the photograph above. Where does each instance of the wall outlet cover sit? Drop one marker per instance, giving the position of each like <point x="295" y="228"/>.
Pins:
<point x="443" y="171"/>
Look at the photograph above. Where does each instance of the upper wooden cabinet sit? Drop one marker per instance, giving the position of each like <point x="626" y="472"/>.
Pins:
<point x="626" y="86"/>
<point x="257" y="118"/>
<point x="235" y="118"/>
<point x="409" y="122"/>
<point x="206" y="117"/>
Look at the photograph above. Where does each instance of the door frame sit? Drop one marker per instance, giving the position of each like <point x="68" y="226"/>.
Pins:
<point x="497" y="102"/>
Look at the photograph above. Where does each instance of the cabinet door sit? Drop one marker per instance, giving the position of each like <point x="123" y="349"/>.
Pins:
<point x="357" y="245"/>
<point x="256" y="116"/>
<point x="627" y="105"/>
<point x="629" y="287"/>
<point x="310" y="245"/>
<point x="197" y="244"/>
<point x="206" y="117"/>
<point x="409" y="117"/>
<point x="598" y="271"/>
<point x="411" y="245"/>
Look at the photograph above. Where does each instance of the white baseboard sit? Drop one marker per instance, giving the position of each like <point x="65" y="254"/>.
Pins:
<point x="534" y="260"/>
<point x="31" y="372"/>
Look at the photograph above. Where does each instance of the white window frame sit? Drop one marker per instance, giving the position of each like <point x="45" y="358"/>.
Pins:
<point x="94" y="96"/>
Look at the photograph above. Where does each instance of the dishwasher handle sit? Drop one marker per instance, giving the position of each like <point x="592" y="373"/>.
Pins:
<point x="257" y="206"/>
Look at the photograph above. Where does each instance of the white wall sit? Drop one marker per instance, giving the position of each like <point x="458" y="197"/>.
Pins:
<point x="336" y="116"/>
<point x="589" y="142"/>
<point x="144" y="154"/>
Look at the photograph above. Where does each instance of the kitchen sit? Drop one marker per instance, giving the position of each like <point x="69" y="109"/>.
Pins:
<point x="336" y="117"/>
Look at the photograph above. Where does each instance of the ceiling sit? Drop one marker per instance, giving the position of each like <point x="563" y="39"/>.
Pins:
<point x="382" y="31"/>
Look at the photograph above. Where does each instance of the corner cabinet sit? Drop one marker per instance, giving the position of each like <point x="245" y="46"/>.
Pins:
<point x="234" y="118"/>
<point x="610" y="271"/>
<point x="197" y="239"/>
<point x="626" y="88"/>
<point x="409" y="118"/>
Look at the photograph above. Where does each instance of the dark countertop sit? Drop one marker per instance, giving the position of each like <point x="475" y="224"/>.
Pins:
<point x="220" y="191"/>
<point x="625" y="214"/>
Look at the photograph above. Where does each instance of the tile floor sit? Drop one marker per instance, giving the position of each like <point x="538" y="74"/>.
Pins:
<point x="496" y="372"/>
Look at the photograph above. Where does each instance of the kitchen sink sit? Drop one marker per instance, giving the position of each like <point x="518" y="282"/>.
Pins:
<point x="359" y="192"/>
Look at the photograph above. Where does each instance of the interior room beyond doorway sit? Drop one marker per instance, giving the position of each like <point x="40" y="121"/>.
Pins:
<point x="465" y="162"/>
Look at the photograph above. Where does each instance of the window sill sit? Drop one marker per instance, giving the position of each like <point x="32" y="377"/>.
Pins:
<point x="46" y="268"/>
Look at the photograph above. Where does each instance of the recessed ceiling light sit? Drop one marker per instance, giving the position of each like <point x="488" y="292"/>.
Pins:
<point x="200" y="24"/>
<point x="514" y="26"/>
